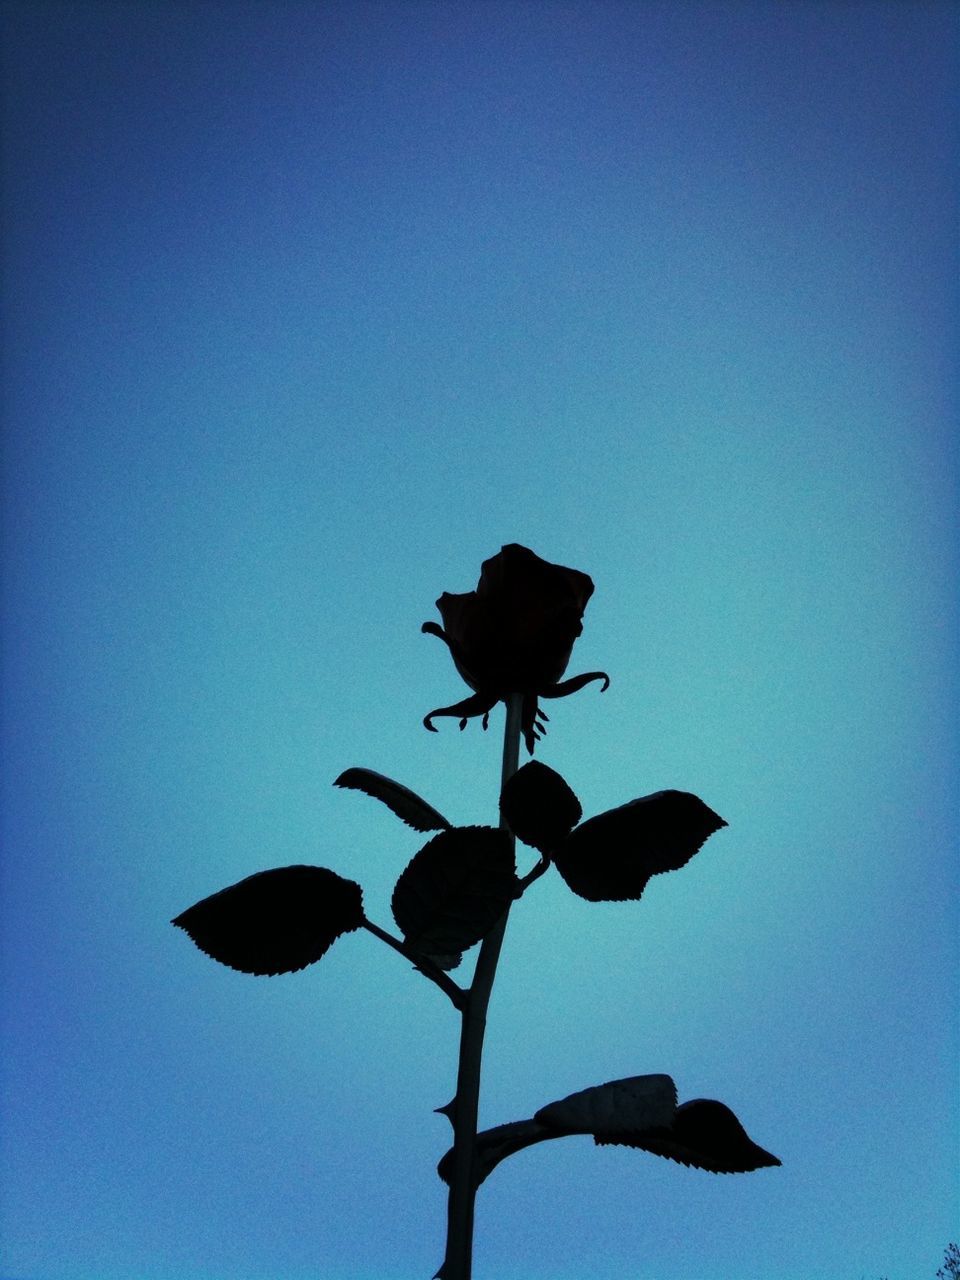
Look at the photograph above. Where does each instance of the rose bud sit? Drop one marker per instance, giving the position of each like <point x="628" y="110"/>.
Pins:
<point x="515" y="634"/>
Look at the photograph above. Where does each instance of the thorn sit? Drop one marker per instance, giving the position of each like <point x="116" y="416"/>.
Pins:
<point x="446" y="1109"/>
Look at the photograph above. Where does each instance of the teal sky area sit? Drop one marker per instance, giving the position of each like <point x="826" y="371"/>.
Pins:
<point x="309" y="308"/>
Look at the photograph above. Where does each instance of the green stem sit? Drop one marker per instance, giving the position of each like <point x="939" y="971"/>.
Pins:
<point x="457" y="1263"/>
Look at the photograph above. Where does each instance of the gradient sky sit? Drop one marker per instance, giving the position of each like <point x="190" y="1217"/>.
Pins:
<point x="308" y="309"/>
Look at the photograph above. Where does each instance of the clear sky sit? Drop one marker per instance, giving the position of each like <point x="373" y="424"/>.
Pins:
<point x="308" y="309"/>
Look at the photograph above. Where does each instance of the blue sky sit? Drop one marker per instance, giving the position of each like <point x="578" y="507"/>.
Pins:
<point x="308" y="309"/>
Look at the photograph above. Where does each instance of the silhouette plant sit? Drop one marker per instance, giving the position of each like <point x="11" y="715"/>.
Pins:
<point x="510" y="640"/>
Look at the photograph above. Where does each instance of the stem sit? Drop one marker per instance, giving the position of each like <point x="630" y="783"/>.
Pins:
<point x="421" y="964"/>
<point x="457" y="1262"/>
<point x="542" y="866"/>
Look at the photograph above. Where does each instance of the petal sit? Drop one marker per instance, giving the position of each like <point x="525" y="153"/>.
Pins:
<point x="533" y="614"/>
<point x="465" y="667"/>
<point x="521" y="575"/>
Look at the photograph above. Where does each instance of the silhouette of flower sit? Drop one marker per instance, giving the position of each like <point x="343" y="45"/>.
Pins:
<point x="514" y="634"/>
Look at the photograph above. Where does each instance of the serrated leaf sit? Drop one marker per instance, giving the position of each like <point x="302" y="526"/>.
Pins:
<point x="406" y="804"/>
<point x="539" y="807"/>
<point x="455" y="889"/>
<point x="704" y="1135"/>
<point x="275" y="921"/>
<point x="610" y="858"/>
<point x="634" y="1104"/>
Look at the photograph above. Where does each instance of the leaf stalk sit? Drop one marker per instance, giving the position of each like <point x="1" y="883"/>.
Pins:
<point x="421" y="964"/>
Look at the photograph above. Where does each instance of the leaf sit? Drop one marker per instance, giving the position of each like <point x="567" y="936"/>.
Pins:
<point x="539" y="807"/>
<point x="406" y="804"/>
<point x="455" y="890"/>
<point x="610" y="858"/>
<point x="705" y="1135"/>
<point x="634" y="1104"/>
<point x="275" y="921"/>
<point x="445" y="962"/>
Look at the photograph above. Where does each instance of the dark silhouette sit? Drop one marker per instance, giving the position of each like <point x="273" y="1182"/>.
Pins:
<point x="510" y="640"/>
<point x="515" y="633"/>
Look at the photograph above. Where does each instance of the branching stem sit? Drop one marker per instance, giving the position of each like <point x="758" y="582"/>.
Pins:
<point x="421" y="964"/>
<point x="535" y="874"/>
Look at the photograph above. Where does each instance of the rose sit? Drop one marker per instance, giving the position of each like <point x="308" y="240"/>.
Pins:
<point x="514" y="634"/>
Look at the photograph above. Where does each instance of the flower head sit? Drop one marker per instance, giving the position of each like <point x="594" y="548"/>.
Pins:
<point x="514" y="634"/>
